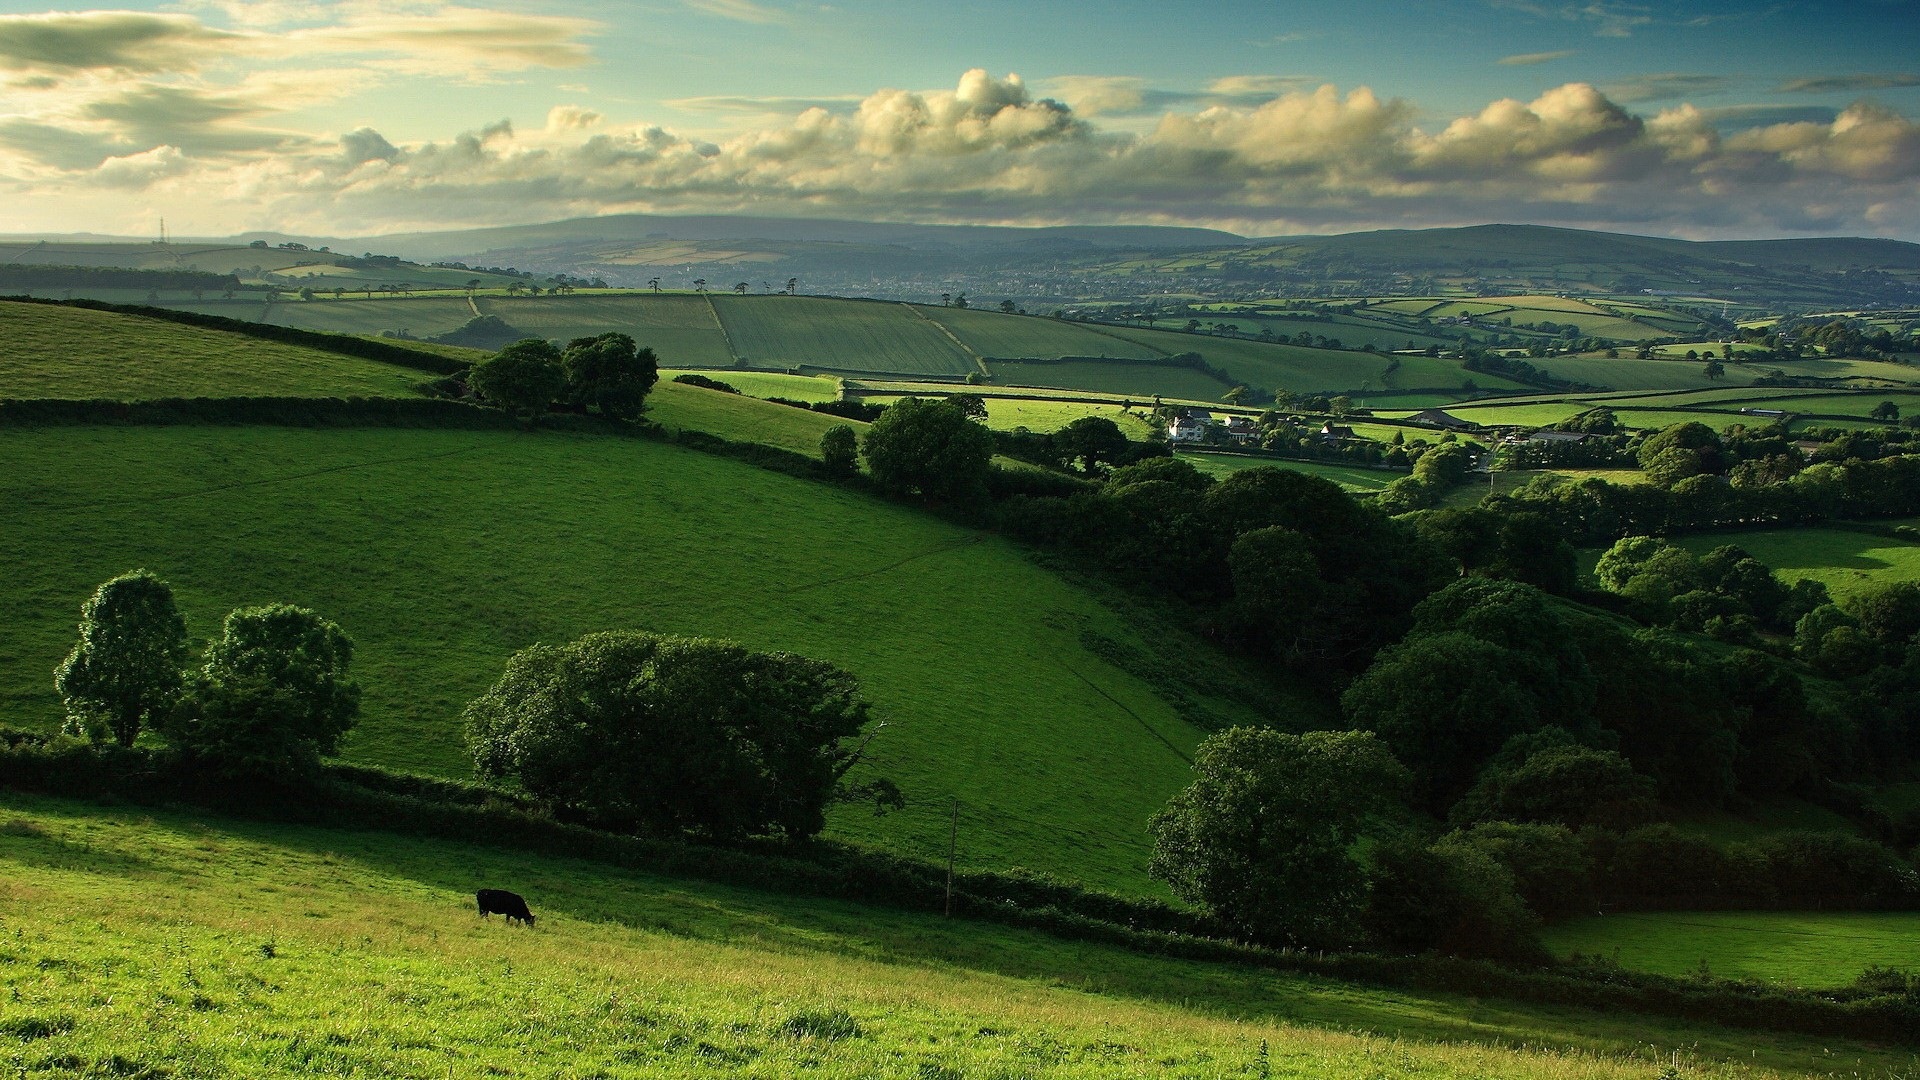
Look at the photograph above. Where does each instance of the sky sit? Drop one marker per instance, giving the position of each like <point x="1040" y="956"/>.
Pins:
<point x="352" y="118"/>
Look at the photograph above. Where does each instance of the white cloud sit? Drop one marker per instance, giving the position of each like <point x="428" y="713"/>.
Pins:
<point x="991" y="149"/>
<point x="125" y="41"/>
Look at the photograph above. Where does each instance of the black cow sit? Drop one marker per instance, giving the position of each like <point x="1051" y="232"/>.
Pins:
<point x="502" y="902"/>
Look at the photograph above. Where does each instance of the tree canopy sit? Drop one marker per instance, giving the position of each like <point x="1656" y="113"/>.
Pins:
<point x="125" y="670"/>
<point x="610" y="373"/>
<point x="930" y="449"/>
<point x="643" y="731"/>
<point x="524" y="377"/>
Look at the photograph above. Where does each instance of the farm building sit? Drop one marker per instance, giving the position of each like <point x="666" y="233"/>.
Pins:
<point x="1336" y="433"/>
<point x="1440" y="418"/>
<point x="1241" y="429"/>
<point x="1190" y="425"/>
<point x="1558" y="437"/>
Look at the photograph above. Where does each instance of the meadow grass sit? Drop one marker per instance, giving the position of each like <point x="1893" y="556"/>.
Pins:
<point x="161" y="943"/>
<point x="1846" y="560"/>
<point x="741" y="418"/>
<point x="443" y="552"/>
<point x="797" y="331"/>
<point x="62" y="352"/>
<point x="1352" y="477"/>
<point x="1818" y="949"/>
<point x="421" y="316"/>
<point x="767" y="384"/>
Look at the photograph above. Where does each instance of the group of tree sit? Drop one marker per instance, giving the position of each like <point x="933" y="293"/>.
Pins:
<point x="608" y="373"/>
<point x="268" y="699"/>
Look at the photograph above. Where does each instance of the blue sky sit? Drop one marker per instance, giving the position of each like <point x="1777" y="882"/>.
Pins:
<point x="354" y="117"/>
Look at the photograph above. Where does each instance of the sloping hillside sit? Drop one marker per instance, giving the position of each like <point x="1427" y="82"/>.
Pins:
<point x="48" y="351"/>
<point x="443" y="552"/>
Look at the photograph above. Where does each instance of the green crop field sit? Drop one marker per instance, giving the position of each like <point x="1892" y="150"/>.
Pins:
<point x="741" y="418"/>
<point x="848" y="335"/>
<point x="990" y="334"/>
<point x="421" y="316"/>
<point x="1303" y="370"/>
<point x="156" y="943"/>
<point x="442" y="552"/>
<point x="1352" y="477"/>
<point x="680" y="328"/>
<point x="1812" y="949"/>
<point x="1628" y="374"/>
<point x="60" y="352"/>
<point x="1845" y="559"/>
<point x="1139" y="379"/>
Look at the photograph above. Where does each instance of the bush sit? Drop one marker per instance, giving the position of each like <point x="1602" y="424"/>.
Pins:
<point x="641" y="731"/>
<point x="840" y="451"/>
<point x="691" y="379"/>
<point x="1261" y="838"/>
<point x="272" y="698"/>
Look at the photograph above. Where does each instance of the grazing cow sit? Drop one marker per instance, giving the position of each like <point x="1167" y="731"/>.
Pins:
<point x="502" y="902"/>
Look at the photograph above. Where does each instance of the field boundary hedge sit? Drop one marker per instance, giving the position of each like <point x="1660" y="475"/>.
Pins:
<point x="342" y="344"/>
<point x="374" y="800"/>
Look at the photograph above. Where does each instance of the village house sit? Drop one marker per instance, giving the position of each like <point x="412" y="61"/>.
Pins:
<point x="1190" y="425"/>
<point x="1331" y="432"/>
<point x="1241" y="429"/>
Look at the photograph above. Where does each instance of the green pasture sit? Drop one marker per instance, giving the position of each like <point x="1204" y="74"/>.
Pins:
<point x="741" y="418"/>
<point x="795" y="331"/>
<point x="1845" y="559"/>
<point x="1354" y="478"/>
<point x="1630" y="374"/>
<point x="159" y="943"/>
<point x="1005" y="414"/>
<point x="767" y="384"/>
<point x="442" y="552"/>
<point x="1810" y="949"/>
<point x="1142" y="380"/>
<point x="61" y="352"/>
<point x="1017" y="337"/>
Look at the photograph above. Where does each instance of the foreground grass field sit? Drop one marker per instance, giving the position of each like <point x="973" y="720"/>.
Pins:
<point x="1803" y="948"/>
<point x="442" y="552"/>
<point x="61" y="352"/>
<point x="154" y="944"/>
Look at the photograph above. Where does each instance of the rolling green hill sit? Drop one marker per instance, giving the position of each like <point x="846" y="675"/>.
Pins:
<point x="154" y="943"/>
<point x="49" y="351"/>
<point x="442" y="552"/>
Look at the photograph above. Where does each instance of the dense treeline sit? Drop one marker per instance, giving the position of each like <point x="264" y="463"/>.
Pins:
<point x="35" y="276"/>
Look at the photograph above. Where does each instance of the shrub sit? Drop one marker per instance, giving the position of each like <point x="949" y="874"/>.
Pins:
<point x="636" y="730"/>
<point x="839" y="451"/>
<point x="525" y="377"/>
<point x="272" y="698"/>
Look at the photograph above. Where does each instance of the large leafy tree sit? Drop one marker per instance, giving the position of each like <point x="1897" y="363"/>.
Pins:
<point x="524" y="377"/>
<point x="1093" y="441"/>
<point x="637" y="730"/>
<point x="930" y="449"/>
<point x="610" y="373"/>
<point x="126" y="668"/>
<point x="1263" y="837"/>
<point x="273" y="696"/>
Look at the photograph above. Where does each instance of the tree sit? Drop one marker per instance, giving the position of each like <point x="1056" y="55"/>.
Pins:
<point x="839" y="451"/>
<point x="124" y="672"/>
<point x="273" y="696"/>
<point x="1715" y="369"/>
<point x="1007" y="307"/>
<point x="524" y="377"/>
<point x="1547" y="778"/>
<point x="654" y="284"/>
<point x="971" y="405"/>
<point x="1886" y="412"/>
<point x="1262" y="837"/>
<point x="928" y="448"/>
<point x="610" y="373"/>
<point x="1093" y="441"/>
<point x="960" y="301"/>
<point x="699" y="284"/>
<point x="740" y="288"/>
<point x="645" y="731"/>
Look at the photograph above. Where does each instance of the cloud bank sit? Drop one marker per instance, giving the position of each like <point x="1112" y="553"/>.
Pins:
<point x="117" y="121"/>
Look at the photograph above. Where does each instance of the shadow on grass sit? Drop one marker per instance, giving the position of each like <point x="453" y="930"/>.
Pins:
<point x="565" y="892"/>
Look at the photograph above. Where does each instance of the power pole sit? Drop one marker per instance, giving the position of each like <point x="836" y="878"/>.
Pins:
<point x="953" y="844"/>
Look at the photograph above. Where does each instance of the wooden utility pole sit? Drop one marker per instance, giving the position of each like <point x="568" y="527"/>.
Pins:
<point x="953" y="844"/>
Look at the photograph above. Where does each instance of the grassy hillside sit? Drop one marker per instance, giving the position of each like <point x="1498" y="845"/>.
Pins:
<point x="1015" y="337"/>
<point x="1812" y="949"/>
<point x="1845" y="559"/>
<point x="420" y="316"/>
<point x="741" y="418"/>
<point x="142" y="941"/>
<point x="58" y="352"/>
<point x="443" y="552"/>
